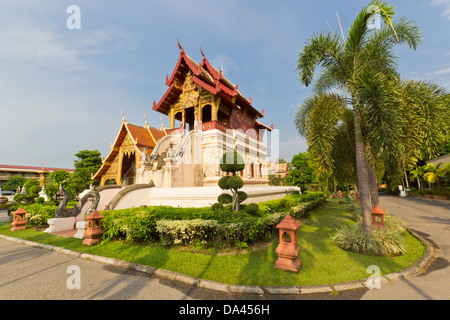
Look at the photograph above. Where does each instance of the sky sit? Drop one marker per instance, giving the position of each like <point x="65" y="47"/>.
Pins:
<point x="62" y="89"/>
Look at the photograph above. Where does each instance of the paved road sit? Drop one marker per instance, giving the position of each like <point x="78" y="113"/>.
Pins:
<point x="33" y="273"/>
<point x="432" y="221"/>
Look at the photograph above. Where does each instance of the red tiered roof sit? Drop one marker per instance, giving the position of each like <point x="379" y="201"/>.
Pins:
<point x="206" y="77"/>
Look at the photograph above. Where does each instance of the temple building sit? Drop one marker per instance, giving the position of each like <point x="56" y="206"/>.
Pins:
<point x="120" y="166"/>
<point x="208" y="115"/>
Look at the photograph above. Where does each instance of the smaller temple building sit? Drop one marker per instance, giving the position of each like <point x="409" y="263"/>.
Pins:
<point x="28" y="172"/>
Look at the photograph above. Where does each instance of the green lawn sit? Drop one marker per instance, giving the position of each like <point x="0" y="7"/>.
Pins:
<point x="322" y="261"/>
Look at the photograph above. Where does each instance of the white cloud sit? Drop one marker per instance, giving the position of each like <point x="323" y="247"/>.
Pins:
<point x="224" y="62"/>
<point x="445" y="4"/>
<point x="57" y="48"/>
<point x="442" y="71"/>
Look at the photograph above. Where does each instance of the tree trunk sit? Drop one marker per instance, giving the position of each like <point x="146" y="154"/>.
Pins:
<point x="375" y="200"/>
<point x="235" y="203"/>
<point x="362" y="169"/>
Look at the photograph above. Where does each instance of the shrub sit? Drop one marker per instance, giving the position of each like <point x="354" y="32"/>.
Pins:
<point x="225" y="198"/>
<point x="217" y="206"/>
<point x="131" y="226"/>
<point x="187" y="231"/>
<point x="37" y="214"/>
<point x="232" y="162"/>
<point x="235" y="182"/>
<point x="223" y="183"/>
<point x="252" y="208"/>
<point x="242" y="196"/>
<point x="380" y="242"/>
<point x="394" y="223"/>
<point x="217" y="225"/>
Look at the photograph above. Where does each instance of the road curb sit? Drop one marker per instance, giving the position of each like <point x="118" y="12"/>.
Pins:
<point x="416" y="268"/>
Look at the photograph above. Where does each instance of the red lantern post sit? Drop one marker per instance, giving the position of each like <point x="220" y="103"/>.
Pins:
<point x="19" y="221"/>
<point x="378" y="218"/>
<point x="94" y="230"/>
<point x="288" y="249"/>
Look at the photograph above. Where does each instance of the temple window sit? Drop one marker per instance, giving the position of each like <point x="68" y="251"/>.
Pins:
<point x="206" y="113"/>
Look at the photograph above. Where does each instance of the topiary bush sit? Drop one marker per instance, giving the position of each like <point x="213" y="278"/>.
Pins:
<point x="225" y="198"/>
<point x="232" y="162"/>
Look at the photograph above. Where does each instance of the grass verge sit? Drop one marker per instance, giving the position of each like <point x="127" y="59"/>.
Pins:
<point x="322" y="261"/>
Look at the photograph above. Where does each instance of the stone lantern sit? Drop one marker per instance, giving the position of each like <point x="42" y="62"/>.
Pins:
<point x="94" y="230"/>
<point x="19" y="221"/>
<point x="378" y="218"/>
<point x="288" y="249"/>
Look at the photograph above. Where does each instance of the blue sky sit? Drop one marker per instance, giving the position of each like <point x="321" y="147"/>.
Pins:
<point x="63" y="90"/>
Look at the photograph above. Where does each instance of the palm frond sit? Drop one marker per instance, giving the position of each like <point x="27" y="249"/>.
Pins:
<point x="321" y="50"/>
<point x="317" y="120"/>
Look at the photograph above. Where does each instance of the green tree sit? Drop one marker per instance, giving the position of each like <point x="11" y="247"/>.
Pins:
<point x="32" y="189"/>
<point x="50" y="190"/>
<point x="418" y="173"/>
<point x="232" y="162"/>
<point x="431" y="173"/>
<point x="302" y="171"/>
<point x="86" y="165"/>
<point x="343" y="152"/>
<point x="347" y="64"/>
<point x="444" y="171"/>
<point x="59" y="176"/>
<point x="13" y="183"/>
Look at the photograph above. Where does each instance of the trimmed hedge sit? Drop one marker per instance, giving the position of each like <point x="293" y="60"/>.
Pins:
<point x="218" y="227"/>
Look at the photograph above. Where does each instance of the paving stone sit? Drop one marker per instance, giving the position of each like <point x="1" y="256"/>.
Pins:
<point x="187" y="279"/>
<point x="395" y="276"/>
<point x="213" y="285"/>
<point x="146" y="269"/>
<point x="352" y="285"/>
<point x="166" y="274"/>
<point x="282" y="290"/>
<point x="411" y="270"/>
<point x="315" y="289"/>
<point x="246" y="289"/>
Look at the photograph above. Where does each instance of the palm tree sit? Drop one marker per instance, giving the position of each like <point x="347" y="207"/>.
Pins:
<point x="418" y="174"/>
<point x="431" y="173"/>
<point x="444" y="171"/>
<point x="351" y="65"/>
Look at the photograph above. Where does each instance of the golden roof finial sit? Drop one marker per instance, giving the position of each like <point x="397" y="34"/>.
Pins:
<point x="145" y="122"/>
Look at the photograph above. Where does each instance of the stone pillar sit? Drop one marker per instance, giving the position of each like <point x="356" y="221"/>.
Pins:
<point x="81" y="229"/>
<point x="288" y="249"/>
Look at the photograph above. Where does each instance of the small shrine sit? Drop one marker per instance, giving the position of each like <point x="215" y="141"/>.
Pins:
<point x="288" y="249"/>
<point x="19" y="220"/>
<point x="378" y="218"/>
<point x="94" y="230"/>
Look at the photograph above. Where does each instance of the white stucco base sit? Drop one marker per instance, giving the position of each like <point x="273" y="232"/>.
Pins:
<point x="60" y="224"/>
<point x="196" y="196"/>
